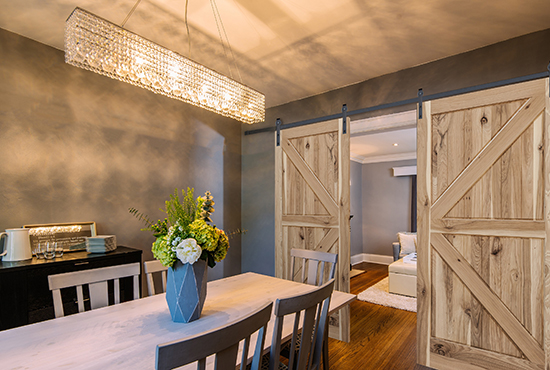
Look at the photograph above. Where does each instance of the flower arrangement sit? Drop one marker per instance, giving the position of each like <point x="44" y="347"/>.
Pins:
<point x="187" y="234"/>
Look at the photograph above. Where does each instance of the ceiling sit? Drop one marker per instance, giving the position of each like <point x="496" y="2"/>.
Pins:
<point x="384" y="138"/>
<point x="292" y="49"/>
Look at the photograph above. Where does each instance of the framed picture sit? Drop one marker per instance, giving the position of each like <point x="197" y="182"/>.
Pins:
<point x="71" y="235"/>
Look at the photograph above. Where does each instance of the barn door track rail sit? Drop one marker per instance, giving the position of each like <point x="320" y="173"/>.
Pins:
<point x="419" y="99"/>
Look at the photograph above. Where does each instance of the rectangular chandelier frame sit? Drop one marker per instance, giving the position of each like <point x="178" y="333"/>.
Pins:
<point x="98" y="45"/>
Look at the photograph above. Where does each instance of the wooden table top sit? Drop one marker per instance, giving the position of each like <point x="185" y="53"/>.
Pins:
<point x="125" y="336"/>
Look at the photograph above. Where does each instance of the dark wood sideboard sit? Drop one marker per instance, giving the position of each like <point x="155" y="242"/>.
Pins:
<point x="25" y="297"/>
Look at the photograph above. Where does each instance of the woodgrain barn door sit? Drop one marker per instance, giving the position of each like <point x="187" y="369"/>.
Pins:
<point x="312" y="202"/>
<point x="483" y="260"/>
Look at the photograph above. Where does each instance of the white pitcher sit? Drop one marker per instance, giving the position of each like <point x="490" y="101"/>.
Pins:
<point x="17" y="246"/>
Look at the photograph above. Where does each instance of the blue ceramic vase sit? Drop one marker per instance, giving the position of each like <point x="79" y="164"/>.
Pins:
<point x="186" y="290"/>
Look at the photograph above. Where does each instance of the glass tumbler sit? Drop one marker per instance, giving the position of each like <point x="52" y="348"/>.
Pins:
<point x="40" y="248"/>
<point x="49" y="252"/>
<point x="58" y="250"/>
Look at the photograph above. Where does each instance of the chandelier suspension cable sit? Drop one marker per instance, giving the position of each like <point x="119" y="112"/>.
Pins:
<point x="130" y="14"/>
<point x="218" y="18"/>
<point x="187" y="26"/>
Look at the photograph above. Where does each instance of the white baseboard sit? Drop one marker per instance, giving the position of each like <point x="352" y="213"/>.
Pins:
<point x="373" y="258"/>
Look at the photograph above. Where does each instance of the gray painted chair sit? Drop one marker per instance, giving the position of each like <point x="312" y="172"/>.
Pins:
<point x="96" y="279"/>
<point x="149" y="268"/>
<point x="313" y="307"/>
<point x="311" y="261"/>
<point x="223" y="342"/>
<point x="315" y="262"/>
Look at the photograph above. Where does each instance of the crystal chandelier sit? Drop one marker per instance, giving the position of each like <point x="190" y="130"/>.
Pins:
<point x="100" y="46"/>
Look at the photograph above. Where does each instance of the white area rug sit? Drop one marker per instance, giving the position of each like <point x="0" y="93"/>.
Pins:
<point x="378" y="294"/>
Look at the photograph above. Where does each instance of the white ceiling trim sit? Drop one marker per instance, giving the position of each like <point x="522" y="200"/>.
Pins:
<point x="387" y="122"/>
<point x="383" y="158"/>
<point x="357" y="158"/>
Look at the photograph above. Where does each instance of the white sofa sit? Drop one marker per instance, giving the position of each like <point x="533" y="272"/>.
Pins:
<point x="402" y="272"/>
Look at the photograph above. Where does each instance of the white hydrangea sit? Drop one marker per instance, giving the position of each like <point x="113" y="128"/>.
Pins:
<point x="188" y="251"/>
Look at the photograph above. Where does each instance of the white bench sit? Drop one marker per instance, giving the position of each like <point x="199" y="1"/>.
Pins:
<point x="402" y="277"/>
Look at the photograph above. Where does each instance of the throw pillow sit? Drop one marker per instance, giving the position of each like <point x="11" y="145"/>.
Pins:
<point x="408" y="242"/>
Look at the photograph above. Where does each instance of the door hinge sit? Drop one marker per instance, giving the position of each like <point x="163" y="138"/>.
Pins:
<point x="344" y="118"/>
<point x="420" y="94"/>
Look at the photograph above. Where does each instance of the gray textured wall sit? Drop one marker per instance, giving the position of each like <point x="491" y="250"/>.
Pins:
<point x="77" y="146"/>
<point x="356" y="208"/>
<point x="386" y="205"/>
<point x="512" y="58"/>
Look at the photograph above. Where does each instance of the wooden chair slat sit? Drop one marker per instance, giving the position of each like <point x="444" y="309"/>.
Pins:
<point x="57" y="303"/>
<point x="99" y="294"/>
<point x="244" y="357"/>
<point x="79" y="299"/>
<point x="151" y="267"/>
<point x="117" y="291"/>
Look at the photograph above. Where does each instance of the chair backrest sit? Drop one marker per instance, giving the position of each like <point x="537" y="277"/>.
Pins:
<point x="224" y="342"/>
<point x="313" y="307"/>
<point x="97" y="283"/>
<point x="149" y="268"/>
<point x="311" y="261"/>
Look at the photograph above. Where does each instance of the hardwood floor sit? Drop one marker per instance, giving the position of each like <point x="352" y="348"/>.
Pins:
<point x="381" y="337"/>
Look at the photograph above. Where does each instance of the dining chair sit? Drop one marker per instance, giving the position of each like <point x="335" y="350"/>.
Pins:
<point x="223" y="342"/>
<point x="313" y="308"/>
<point x="97" y="281"/>
<point x="315" y="263"/>
<point x="151" y="267"/>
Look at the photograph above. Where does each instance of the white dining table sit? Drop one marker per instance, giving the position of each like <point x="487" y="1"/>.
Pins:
<point x="125" y="336"/>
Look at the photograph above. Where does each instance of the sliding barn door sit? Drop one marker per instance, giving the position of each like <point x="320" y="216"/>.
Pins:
<point x="484" y="264"/>
<point x="312" y="205"/>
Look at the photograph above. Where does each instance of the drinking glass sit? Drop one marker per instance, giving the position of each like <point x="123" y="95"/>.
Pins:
<point x="40" y="248"/>
<point x="49" y="252"/>
<point x="58" y="250"/>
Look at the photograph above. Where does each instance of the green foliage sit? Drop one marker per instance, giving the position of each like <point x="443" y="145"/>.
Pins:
<point x="158" y="229"/>
<point x="222" y="247"/>
<point x="207" y="207"/>
<point x="205" y="235"/>
<point x="183" y="212"/>
<point x="162" y="252"/>
<point x="141" y="216"/>
<point x="236" y="232"/>
<point x="187" y="219"/>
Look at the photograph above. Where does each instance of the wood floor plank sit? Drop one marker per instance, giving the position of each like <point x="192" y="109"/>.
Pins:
<point x="382" y="338"/>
